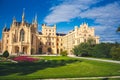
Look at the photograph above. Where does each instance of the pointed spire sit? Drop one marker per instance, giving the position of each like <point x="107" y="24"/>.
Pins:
<point x="36" y="18"/>
<point x="33" y="20"/>
<point x="14" y="19"/>
<point x="23" y="15"/>
<point x="4" y="27"/>
<point x="54" y="25"/>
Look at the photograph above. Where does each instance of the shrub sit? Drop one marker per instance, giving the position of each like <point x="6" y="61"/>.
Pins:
<point x="63" y="53"/>
<point x="115" y="53"/>
<point x="102" y="50"/>
<point x="5" y="54"/>
<point x="85" y="54"/>
<point x="83" y="49"/>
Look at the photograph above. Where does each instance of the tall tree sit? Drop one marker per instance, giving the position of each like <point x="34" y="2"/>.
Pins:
<point x="118" y="29"/>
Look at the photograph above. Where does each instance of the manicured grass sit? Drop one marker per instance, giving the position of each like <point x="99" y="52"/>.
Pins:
<point x="57" y="67"/>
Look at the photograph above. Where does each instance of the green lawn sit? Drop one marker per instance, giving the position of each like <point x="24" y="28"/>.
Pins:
<point x="57" y="67"/>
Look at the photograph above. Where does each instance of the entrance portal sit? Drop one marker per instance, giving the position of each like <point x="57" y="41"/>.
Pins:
<point x="40" y="51"/>
<point x="16" y="49"/>
<point x="49" y="50"/>
<point x="24" y="50"/>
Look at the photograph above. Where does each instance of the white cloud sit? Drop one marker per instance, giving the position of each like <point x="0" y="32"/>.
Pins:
<point x="108" y="18"/>
<point x="67" y="10"/>
<point x="107" y="33"/>
<point x="107" y="15"/>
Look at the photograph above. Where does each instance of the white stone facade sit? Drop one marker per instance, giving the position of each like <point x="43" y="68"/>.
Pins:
<point x="23" y="37"/>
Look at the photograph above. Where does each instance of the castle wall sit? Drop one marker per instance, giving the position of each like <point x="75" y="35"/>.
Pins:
<point x="79" y="35"/>
<point x="24" y="38"/>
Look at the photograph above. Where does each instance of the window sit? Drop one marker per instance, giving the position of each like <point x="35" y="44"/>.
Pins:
<point x="61" y="50"/>
<point x="57" y="39"/>
<point x="53" y="43"/>
<point x="46" y="43"/>
<point x="57" y="50"/>
<point x="6" y="47"/>
<point x="32" y="39"/>
<point x="40" y="43"/>
<point x="7" y="41"/>
<point x="22" y="34"/>
<point x="52" y="38"/>
<point x="49" y="50"/>
<point x="40" y="51"/>
<point x="49" y="43"/>
<point x="85" y="40"/>
<point x="49" y="38"/>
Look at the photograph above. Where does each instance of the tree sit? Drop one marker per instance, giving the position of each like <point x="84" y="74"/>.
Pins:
<point x="102" y="50"/>
<point x="64" y="53"/>
<point x="83" y="49"/>
<point x="6" y="54"/>
<point x="118" y="29"/>
<point x="91" y="41"/>
<point x="115" y="53"/>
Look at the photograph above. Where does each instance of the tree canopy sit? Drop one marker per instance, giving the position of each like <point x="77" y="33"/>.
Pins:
<point x="118" y="29"/>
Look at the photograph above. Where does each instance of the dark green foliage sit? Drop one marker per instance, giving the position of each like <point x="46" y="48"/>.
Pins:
<point x="64" y="53"/>
<point x="83" y="49"/>
<point x="91" y="42"/>
<point x="115" y="53"/>
<point x="6" y="54"/>
<point x="102" y="50"/>
<point x="57" y="67"/>
<point x="118" y="29"/>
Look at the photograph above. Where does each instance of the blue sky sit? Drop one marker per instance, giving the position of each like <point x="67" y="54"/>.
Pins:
<point x="103" y="15"/>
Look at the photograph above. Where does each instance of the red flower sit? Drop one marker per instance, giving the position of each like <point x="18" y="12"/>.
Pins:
<point x="25" y="59"/>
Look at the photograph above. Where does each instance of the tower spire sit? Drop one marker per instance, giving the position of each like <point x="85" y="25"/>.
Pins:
<point x="14" y="19"/>
<point x="5" y="25"/>
<point x="23" y="15"/>
<point x="36" y="18"/>
<point x="4" y="29"/>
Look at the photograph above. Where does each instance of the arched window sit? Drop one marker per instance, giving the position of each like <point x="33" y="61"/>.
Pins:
<point x="49" y="50"/>
<point x="22" y="35"/>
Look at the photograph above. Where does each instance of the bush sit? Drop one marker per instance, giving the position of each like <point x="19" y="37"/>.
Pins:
<point x="5" y="54"/>
<point x="115" y="53"/>
<point x="83" y="49"/>
<point x="63" y="53"/>
<point x="102" y="50"/>
<point x="85" y="55"/>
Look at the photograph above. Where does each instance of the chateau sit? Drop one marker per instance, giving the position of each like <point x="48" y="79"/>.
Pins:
<point x="24" y="38"/>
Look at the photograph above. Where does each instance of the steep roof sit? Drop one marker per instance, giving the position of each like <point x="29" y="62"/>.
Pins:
<point x="60" y="34"/>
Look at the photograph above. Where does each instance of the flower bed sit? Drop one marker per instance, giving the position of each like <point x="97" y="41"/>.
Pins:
<point x="25" y="59"/>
